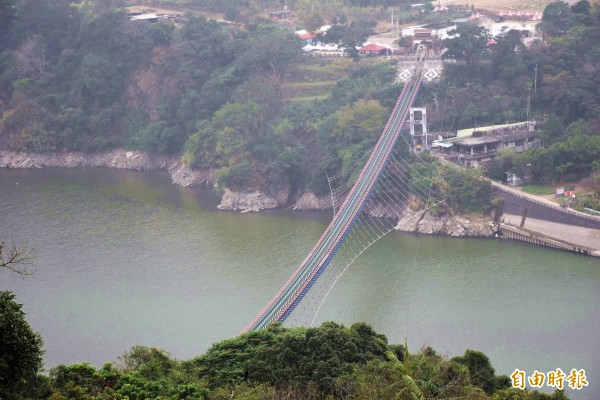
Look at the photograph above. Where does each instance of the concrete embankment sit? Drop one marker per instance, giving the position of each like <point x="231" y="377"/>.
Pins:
<point x="534" y="220"/>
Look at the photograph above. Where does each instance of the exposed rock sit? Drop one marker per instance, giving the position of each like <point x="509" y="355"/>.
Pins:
<point x="181" y="174"/>
<point x="410" y="222"/>
<point x="282" y="196"/>
<point x="246" y="202"/>
<point x="379" y="209"/>
<point x="310" y="201"/>
<point x="446" y="224"/>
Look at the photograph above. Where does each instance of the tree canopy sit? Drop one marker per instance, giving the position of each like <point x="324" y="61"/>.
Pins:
<point x="329" y="361"/>
<point x="89" y="78"/>
<point x="20" y="349"/>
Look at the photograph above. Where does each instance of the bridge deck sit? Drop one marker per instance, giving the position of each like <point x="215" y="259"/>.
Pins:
<point x="294" y="290"/>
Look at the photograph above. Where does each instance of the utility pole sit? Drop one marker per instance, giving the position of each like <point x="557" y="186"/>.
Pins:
<point x="528" y="100"/>
<point x="535" y="79"/>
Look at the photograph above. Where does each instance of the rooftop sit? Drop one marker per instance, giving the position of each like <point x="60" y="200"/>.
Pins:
<point x="143" y="17"/>
<point x="469" y="132"/>
<point x="477" y="141"/>
<point x="372" y="47"/>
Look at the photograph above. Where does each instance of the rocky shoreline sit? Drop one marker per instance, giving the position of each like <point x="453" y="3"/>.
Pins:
<point x="180" y="173"/>
<point x="448" y="225"/>
<point x="243" y="202"/>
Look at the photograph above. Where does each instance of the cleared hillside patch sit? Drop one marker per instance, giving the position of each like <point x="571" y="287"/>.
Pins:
<point x="314" y="77"/>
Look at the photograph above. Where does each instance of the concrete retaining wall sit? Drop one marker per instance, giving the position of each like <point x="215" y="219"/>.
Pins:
<point x="517" y="204"/>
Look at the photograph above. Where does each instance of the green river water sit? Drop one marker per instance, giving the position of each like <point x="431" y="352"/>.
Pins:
<point x="127" y="258"/>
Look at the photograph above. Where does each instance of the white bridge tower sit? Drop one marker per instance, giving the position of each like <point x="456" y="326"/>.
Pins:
<point x="418" y="129"/>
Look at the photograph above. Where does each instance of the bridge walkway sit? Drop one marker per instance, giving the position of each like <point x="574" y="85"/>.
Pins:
<point x="298" y="285"/>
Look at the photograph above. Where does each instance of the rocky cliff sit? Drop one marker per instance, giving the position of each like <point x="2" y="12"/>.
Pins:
<point x="246" y="201"/>
<point x="310" y="201"/>
<point x="447" y="224"/>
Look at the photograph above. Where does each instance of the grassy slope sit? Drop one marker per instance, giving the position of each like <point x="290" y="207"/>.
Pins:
<point x="314" y="77"/>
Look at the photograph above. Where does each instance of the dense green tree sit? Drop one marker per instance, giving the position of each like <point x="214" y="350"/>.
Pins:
<point x="350" y="36"/>
<point x="468" y="45"/>
<point x="8" y="11"/>
<point x="149" y="362"/>
<point x="464" y="190"/>
<point x="481" y="371"/>
<point x="100" y="79"/>
<point x="231" y="14"/>
<point x="330" y="361"/>
<point x="20" y="348"/>
<point x="581" y="7"/>
<point x="268" y="50"/>
<point x="228" y="361"/>
<point x="317" y="355"/>
<point x="347" y="135"/>
<point x="553" y="130"/>
<point x="313" y="21"/>
<point x="77" y="381"/>
<point x="50" y="19"/>
<point x="506" y="63"/>
<point x="556" y="18"/>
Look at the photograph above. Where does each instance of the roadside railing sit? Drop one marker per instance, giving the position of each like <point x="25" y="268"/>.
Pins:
<point x="516" y="193"/>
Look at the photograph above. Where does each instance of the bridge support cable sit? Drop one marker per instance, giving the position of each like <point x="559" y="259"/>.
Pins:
<point x="320" y="257"/>
<point x="399" y="195"/>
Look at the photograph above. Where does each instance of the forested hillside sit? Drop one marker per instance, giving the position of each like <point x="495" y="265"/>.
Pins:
<point x="85" y="77"/>
<point x="491" y="84"/>
<point x="89" y="79"/>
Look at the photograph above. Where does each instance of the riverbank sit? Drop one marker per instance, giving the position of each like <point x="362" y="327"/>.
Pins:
<point x="181" y="174"/>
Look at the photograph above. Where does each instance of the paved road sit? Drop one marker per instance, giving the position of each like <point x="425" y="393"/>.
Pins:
<point x="576" y="235"/>
<point x="546" y="218"/>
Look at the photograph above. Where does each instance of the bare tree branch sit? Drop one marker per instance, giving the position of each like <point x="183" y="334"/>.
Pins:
<point x="18" y="259"/>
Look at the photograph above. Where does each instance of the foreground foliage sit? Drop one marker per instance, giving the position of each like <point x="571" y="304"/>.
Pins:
<point x="330" y="361"/>
<point x="20" y="350"/>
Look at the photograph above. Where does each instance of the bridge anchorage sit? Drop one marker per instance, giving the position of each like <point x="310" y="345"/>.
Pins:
<point x="348" y="205"/>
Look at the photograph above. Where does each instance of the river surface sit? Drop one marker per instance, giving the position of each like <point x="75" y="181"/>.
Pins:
<point x="126" y="258"/>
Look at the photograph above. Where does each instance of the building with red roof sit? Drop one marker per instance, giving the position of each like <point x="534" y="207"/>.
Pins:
<point x="373" y="50"/>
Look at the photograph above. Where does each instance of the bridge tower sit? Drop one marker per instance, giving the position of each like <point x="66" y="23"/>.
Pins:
<point x="418" y="129"/>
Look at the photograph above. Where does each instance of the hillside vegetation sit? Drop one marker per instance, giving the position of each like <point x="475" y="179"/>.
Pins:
<point x="330" y="361"/>
<point x="244" y="101"/>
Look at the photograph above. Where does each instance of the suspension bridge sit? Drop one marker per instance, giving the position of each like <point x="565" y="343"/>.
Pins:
<point x="348" y="213"/>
